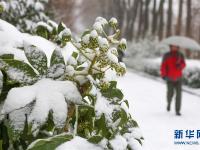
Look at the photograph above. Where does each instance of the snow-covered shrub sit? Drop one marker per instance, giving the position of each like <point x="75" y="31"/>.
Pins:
<point x="24" y="14"/>
<point x="138" y="51"/>
<point x="61" y="98"/>
<point x="50" y="30"/>
<point x="142" y="48"/>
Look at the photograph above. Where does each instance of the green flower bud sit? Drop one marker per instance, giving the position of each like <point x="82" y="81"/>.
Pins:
<point x="113" y="22"/>
<point x="122" y="44"/>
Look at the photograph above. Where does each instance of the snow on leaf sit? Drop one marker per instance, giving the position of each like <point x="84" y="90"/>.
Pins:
<point x="57" y="58"/>
<point x="78" y="143"/>
<point x="37" y="58"/>
<point x="18" y="70"/>
<point x="50" y="143"/>
<point x="49" y="95"/>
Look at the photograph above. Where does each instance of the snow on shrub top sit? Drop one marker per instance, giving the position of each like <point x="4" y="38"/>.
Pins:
<point x="72" y="90"/>
<point x="48" y="95"/>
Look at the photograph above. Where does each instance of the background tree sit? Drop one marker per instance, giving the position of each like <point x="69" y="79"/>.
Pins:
<point x="179" y="20"/>
<point x="154" y="14"/>
<point x="169" y="18"/>
<point x="141" y="19"/>
<point x="146" y="17"/>
<point x="189" y="18"/>
<point x="161" y="19"/>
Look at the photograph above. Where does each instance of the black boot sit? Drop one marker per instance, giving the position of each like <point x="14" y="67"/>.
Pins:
<point x="178" y="113"/>
<point x="168" y="107"/>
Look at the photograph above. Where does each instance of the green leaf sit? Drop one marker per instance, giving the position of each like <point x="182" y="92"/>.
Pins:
<point x="57" y="58"/>
<point x="80" y="68"/>
<point x="7" y="56"/>
<point x="112" y="91"/>
<point x="126" y="102"/>
<point x="87" y="31"/>
<point x="37" y="58"/>
<point x="95" y="139"/>
<point x="20" y="66"/>
<point x="4" y="136"/>
<point x="1" y="9"/>
<point x="85" y="120"/>
<point x="113" y="84"/>
<point x="75" y="55"/>
<point x="61" y="27"/>
<point x="42" y="31"/>
<point x="50" y="143"/>
<point x="101" y="126"/>
<point x="6" y="86"/>
<point x="49" y="125"/>
<point x="124" y="117"/>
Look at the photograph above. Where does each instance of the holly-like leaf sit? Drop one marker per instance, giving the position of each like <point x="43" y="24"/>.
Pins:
<point x="7" y="56"/>
<point x="95" y="139"/>
<point x="42" y="31"/>
<point x="112" y="91"/>
<point x="101" y="127"/>
<point x="19" y="66"/>
<point x="37" y="58"/>
<point x="86" y="32"/>
<point x="61" y="27"/>
<point x="57" y="58"/>
<point x="75" y="55"/>
<point x="124" y="118"/>
<point x="50" y="143"/>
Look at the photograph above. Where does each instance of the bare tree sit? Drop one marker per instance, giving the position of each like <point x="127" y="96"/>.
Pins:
<point x="131" y="17"/>
<point x="146" y="17"/>
<point x="161" y="21"/>
<point x="189" y="18"/>
<point x="154" y="21"/>
<point x="141" y="19"/>
<point x="169" y="18"/>
<point x="179" y="20"/>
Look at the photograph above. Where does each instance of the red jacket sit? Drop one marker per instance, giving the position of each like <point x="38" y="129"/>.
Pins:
<point x="172" y="66"/>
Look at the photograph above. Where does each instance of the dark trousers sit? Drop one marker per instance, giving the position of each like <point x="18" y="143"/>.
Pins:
<point x="174" y="86"/>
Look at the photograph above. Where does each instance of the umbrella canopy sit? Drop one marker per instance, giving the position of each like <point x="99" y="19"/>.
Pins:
<point x="182" y="42"/>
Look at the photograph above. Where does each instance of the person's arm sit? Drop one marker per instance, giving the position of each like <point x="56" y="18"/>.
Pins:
<point x="163" y="68"/>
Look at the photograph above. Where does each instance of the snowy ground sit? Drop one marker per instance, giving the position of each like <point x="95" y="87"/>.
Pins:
<point x="147" y="99"/>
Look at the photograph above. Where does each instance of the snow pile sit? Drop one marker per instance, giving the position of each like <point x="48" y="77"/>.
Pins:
<point x="47" y="95"/>
<point x="119" y="143"/>
<point x="78" y="143"/>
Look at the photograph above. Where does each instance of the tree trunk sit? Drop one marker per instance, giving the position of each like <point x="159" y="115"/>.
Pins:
<point x="146" y="18"/>
<point x="179" y="21"/>
<point x="169" y="19"/>
<point x="161" y="21"/>
<point x="189" y="18"/>
<point x="154" y="22"/>
<point x="140" y="24"/>
<point x="132" y="15"/>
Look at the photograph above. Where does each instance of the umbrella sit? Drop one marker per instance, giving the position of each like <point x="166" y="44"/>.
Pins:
<point x="182" y="42"/>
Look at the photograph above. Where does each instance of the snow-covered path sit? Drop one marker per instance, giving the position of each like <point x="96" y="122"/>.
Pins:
<point x="147" y="100"/>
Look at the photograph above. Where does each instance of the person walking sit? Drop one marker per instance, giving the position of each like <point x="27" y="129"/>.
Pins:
<point x="171" y="69"/>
